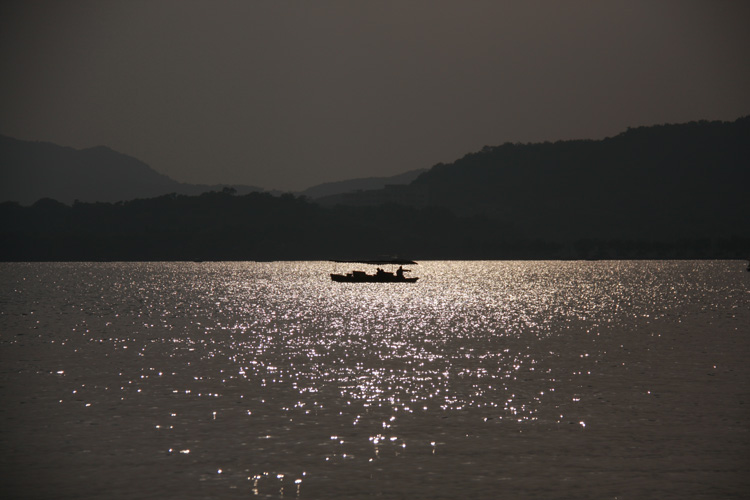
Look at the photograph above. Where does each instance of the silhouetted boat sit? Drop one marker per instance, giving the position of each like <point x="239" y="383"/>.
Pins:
<point x="380" y="275"/>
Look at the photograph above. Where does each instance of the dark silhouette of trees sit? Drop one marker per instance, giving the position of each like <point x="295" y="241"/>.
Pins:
<point x="222" y="226"/>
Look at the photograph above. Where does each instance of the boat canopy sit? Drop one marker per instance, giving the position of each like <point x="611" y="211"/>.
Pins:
<point x="385" y="262"/>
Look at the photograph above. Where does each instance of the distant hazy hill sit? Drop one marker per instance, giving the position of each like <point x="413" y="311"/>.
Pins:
<point x="659" y="182"/>
<point x="33" y="170"/>
<point x="368" y="183"/>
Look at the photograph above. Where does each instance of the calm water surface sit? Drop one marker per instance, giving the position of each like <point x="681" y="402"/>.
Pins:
<point x="483" y="380"/>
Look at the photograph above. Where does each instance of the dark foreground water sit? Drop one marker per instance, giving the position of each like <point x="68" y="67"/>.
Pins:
<point x="483" y="380"/>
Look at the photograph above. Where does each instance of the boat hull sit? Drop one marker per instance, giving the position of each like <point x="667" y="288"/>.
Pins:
<point x="367" y="278"/>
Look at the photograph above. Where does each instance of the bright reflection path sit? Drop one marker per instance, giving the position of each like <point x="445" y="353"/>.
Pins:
<point x="231" y="380"/>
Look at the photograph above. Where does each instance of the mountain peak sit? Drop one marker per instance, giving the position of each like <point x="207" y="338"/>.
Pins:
<point x="31" y="170"/>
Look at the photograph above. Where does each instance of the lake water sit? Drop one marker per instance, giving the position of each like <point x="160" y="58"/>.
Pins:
<point x="483" y="380"/>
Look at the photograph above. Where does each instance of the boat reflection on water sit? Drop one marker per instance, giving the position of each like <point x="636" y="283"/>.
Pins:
<point x="380" y="275"/>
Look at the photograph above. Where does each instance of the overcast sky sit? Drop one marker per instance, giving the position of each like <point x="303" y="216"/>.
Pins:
<point x="285" y="95"/>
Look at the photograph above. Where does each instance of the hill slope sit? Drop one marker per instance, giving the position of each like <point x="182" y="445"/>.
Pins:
<point x="667" y="181"/>
<point x="366" y="183"/>
<point x="33" y="170"/>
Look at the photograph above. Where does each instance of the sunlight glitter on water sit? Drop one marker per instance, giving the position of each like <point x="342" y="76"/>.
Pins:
<point x="270" y="373"/>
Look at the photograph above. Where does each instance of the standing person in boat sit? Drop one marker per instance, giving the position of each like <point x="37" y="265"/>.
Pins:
<point x="400" y="272"/>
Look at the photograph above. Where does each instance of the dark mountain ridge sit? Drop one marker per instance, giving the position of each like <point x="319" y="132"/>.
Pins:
<point x="665" y="181"/>
<point x="665" y="192"/>
<point x="33" y="170"/>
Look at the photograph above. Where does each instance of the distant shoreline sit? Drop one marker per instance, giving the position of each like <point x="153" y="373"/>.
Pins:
<point x="706" y="259"/>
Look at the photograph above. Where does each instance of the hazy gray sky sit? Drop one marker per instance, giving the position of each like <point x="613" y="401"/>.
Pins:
<point x="289" y="94"/>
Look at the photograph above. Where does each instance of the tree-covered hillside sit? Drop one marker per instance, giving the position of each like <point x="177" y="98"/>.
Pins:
<point x="662" y="182"/>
